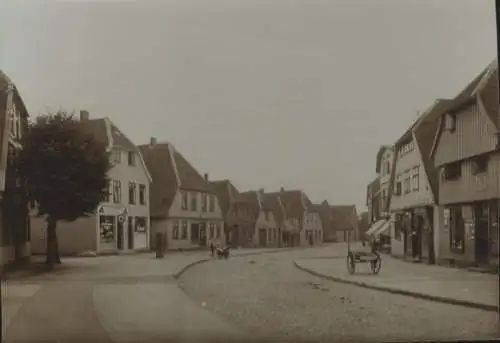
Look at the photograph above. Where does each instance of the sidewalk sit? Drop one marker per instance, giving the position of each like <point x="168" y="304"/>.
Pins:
<point x="448" y="285"/>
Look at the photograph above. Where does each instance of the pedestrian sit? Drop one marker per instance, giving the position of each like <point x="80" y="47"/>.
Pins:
<point x="212" y="248"/>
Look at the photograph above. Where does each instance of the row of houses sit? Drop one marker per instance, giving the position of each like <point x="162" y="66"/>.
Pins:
<point x="154" y="189"/>
<point x="436" y="197"/>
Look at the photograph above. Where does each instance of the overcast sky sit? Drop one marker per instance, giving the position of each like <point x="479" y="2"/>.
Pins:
<point x="264" y="93"/>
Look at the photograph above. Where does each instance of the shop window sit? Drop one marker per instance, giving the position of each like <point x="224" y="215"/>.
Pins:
<point x="457" y="230"/>
<point x="107" y="228"/>
<point x="140" y="224"/>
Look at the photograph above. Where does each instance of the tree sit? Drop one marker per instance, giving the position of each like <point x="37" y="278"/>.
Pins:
<point x="64" y="170"/>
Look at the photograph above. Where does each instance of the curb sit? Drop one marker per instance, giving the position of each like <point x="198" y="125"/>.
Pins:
<point x="435" y="298"/>
<point x="177" y="274"/>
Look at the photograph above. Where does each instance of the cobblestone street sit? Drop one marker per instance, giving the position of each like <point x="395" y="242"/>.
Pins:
<point x="266" y="296"/>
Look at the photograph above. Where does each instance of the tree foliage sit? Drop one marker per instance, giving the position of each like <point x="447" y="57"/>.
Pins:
<point x="64" y="170"/>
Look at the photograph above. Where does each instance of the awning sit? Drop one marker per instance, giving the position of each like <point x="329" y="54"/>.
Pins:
<point x="384" y="229"/>
<point x="378" y="228"/>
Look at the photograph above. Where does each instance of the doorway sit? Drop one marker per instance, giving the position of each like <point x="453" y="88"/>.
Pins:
<point x="481" y="216"/>
<point x="119" y="235"/>
<point x="203" y="235"/>
<point x="195" y="233"/>
<point x="311" y="241"/>
<point x="130" y="233"/>
<point x="262" y="237"/>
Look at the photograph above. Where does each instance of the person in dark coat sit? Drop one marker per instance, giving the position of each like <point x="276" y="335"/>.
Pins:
<point x="212" y="248"/>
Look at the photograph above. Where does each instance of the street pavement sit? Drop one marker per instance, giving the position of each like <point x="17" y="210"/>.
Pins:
<point x="267" y="297"/>
<point x="258" y="295"/>
<point x="111" y="299"/>
<point x="456" y="286"/>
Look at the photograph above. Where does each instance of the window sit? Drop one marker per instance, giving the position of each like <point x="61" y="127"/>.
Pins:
<point x="184" y="204"/>
<point x="387" y="167"/>
<point x="194" y="201"/>
<point x="107" y="197"/>
<point x="107" y="228"/>
<point x="175" y="229"/>
<point x="140" y="224"/>
<point x="184" y="233"/>
<point x="398" y="185"/>
<point x="452" y="171"/>
<point x="142" y="194"/>
<point x="131" y="158"/>
<point x="218" y="230"/>
<point x="480" y="164"/>
<point x="266" y="214"/>
<point x="450" y="122"/>
<point x="457" y="230"/>
<point x="117" y="191"/>
<point x="116" y="156"/>
<point x="212" y="203"/>
<point x="211" y="229"/>
<point x="131" y="193"/>
<point x="415" y="178"/>
<point x="407" y="185"/>
<point x="204" y="202"/>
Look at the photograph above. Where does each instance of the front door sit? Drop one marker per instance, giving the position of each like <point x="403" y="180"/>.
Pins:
<point x="195" y="233"/>
<point x="130" y="232"/>
<point x="311" y="242"/>
<point x="481" y="214"/>
<point x="119" y="235"/>
<point x="203" y="235"/>
<point x="262" y="237"/>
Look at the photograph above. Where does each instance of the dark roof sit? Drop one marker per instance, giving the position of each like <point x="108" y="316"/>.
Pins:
<point x="424" y="131"/>
<point x="120" y="140"/>
<point x="489" y="97"/>
<point x="273" y="199"/>
<point x="96" y="127"/>
<point x="226" y="192"/>
<point x="344" y="217"/>
<point x="165" y="164"/>
<point x="295" y="202"/>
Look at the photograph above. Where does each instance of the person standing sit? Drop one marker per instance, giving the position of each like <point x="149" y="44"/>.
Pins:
<point x="212" y="248"/>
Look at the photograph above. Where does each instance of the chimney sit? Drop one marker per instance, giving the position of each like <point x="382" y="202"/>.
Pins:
<point x="153" y="141"/>
<point x="84" y="115"/>
<point x="325" y="203"/>
<point x="282" y="189"/>
<point x="205" y="176"/>
<point x="260" y="197"/>
<point x="261" y="191"/>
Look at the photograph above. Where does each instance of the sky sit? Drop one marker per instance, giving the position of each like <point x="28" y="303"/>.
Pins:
<point x="299" y="94"/>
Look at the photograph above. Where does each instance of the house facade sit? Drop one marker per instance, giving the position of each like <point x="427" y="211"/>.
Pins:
<point x="121" y="222"/>
<point x="14" y="215"/>
<point x="384" y="165"/>
<point x="412" y="199"/>
<point x="184" y="206"/>
<point x="466" y="155"/>
<point x="340" y="222"/>
<point x="373" y="201"/>
<point x="239" y="211"/>
<point x="267" y="231"/>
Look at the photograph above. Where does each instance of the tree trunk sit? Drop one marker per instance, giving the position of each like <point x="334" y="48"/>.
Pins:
<point x="58" y="258"/>
<point x="51" y="242"/>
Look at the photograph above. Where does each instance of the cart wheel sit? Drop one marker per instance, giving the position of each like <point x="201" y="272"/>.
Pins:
<point x="351" y="266"/>
<point x="375" y="265"/>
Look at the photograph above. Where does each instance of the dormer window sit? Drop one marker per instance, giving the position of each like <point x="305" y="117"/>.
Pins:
<point x="450" y="122"/>
<point x="480" y="164"/>
<point x="131" y="158"/>
<point x="116" y="156"/>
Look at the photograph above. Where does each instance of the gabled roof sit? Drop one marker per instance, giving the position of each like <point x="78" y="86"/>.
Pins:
<point x="170" y="171"/>
<point x="380" y="153"/>
<point x="295" y="202"/>
<point x="483" y="87"/>
<point x="274" y="202"/>
<point x="343" y="217"/>
<point x="106" y="132"/>
<point x="226" y="193"/>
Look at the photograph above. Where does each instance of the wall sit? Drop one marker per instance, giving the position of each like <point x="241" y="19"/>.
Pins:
<point x="267" y="224"/>
<point x="421" y="197"/>
<point x="312" y="222"/>
<point x="73" y="237"/>
<point x="442" y="245"/>
<point x="474" y="134"/>
<point x="470" y="187"/>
